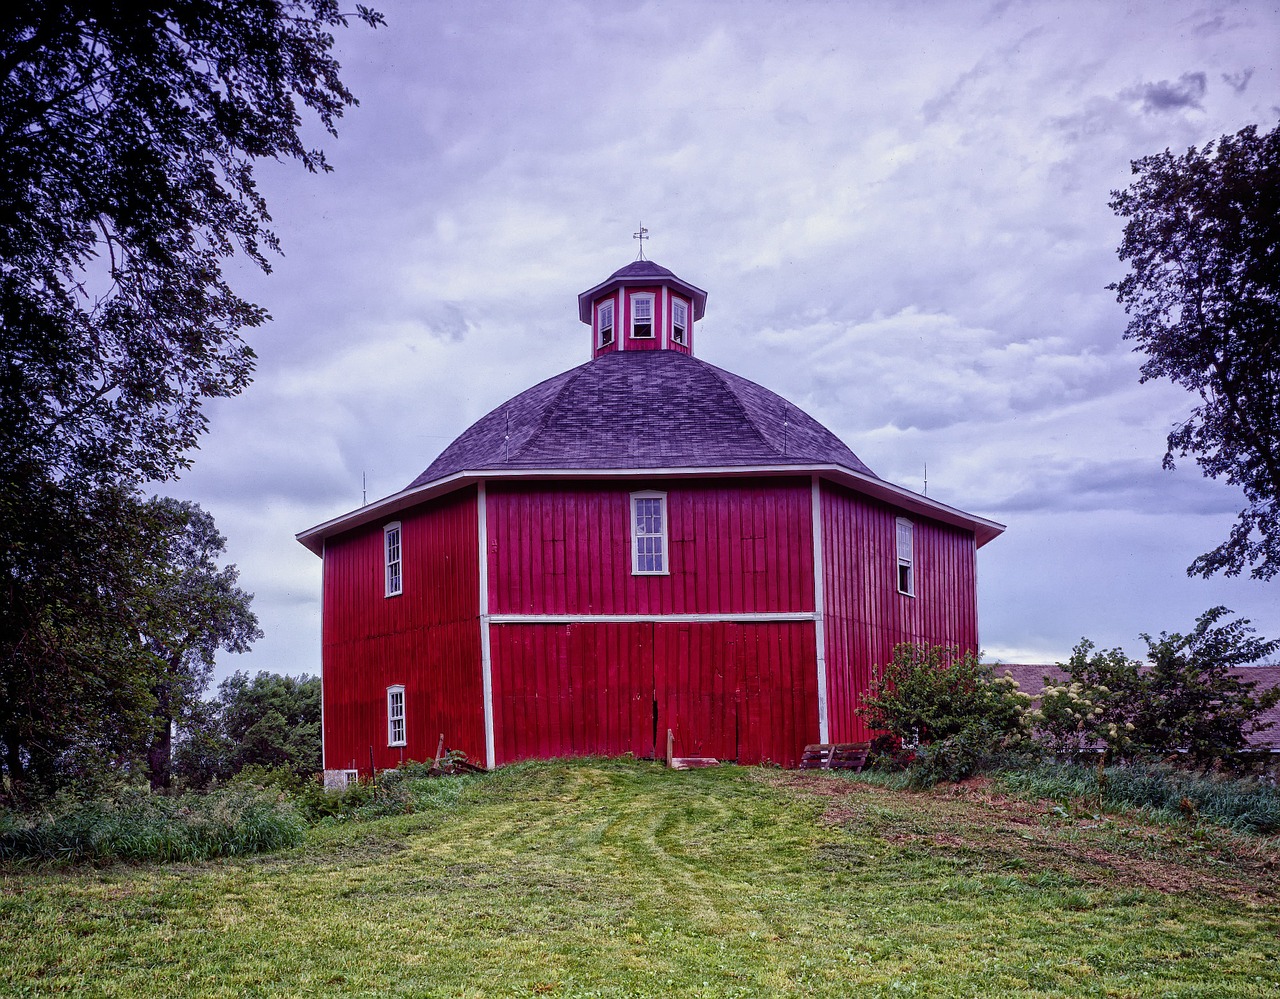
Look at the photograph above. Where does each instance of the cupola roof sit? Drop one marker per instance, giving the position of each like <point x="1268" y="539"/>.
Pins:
<point x="642" y="272"/>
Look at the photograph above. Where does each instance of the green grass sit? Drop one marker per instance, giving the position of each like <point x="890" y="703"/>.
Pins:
<point x="624" y="879"/>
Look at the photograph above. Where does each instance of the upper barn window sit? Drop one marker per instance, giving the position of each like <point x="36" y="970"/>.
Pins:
<point x="391" y="548"/>
<point x="906" y="557"/>
<point x="604" y="322"/>
<point x="642" y="316"/>
<point x="649" y="534"/>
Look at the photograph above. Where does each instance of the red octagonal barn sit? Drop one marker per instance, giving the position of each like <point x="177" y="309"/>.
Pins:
<point x="643" y="543"/>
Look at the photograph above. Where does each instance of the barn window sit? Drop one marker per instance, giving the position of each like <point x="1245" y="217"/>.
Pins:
<point x="604" y="322"/>
<point x="642" y="316"/>
<point x="679" y="320"/>
<point x="649" y="534"/>
<point x="391" y="546"/>
<point x="395" y="715"/>
<point x="906" y="546"/>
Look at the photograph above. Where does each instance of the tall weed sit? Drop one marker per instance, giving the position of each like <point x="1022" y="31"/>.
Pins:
<point x="135" y="825"/>
<point x="1246" y="804"/>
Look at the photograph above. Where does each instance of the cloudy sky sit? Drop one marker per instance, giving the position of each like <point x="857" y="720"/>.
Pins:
<point x="899" y="211"/>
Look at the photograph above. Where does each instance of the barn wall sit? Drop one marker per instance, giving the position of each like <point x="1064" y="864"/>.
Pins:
<point x="865" y="615"/>
<point x="735" y="546"/>
<point x="428" y="638"/>
<point x="728" y="690"/>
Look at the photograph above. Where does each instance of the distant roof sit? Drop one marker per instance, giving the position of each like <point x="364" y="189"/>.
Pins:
<point x="642" y="409"/>
<point x="1030" y="679"/>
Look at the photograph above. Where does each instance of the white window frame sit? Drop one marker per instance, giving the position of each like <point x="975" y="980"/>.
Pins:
<point x="679" y="321"/>
<point x="636" y="300"/>
<point x="397" y="723"/>
<point x="906" y="556"/>
<point x="603" y="309"/>
<point x="646" y="540"/>
<point x="393" y="558"/>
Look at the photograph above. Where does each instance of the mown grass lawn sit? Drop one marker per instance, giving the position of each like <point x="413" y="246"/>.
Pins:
<point x="620" y="878"/>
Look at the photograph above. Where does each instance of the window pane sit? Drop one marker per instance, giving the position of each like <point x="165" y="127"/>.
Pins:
<point x="904" y="539"/>
<point x="649" y="533"/>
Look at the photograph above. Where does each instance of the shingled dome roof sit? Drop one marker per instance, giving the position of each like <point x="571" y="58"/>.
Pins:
<point x="642" y="409"/>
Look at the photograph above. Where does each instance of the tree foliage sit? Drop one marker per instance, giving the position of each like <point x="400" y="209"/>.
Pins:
<point x="1185" y="698"/>
<point x="129" y="134"/>
<point x="268" y="721"/>
<point x="194" y="608"/>
<point x="1203" y="299"/>
<point x="117" y="640"/>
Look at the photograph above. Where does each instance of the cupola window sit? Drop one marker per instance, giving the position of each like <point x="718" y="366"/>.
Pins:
<point x="679" y="321"/>
<point x="642" y="316"/>
<point x="604" y="322"/>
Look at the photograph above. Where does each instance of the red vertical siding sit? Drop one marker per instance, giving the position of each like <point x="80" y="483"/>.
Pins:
<point x="735" y="691"/>
<point x="865" y="615"/>
<point x="428" y="638"/>
<point x="735" y="546"/>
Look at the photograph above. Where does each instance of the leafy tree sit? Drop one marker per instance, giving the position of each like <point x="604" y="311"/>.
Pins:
<point x="1185" y="698"/>
<point x="74" y="677"/>
<point x="128" y="139"/>
<point x="1203" y="297"/>
<point x="194" y="608"/>
<point x="267" y="721"/>
<point x="118" y="635"/>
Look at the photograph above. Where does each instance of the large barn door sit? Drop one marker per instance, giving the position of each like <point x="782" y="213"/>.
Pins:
<point x="572" y="690"/>
<point x="697" y="688"/>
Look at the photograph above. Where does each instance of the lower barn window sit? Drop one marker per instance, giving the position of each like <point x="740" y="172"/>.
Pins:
<point x="649" y="534"/>
<point x="395" y="715"/>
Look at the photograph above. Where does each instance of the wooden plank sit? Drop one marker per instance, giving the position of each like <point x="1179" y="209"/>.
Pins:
<point x="692" y="762"/>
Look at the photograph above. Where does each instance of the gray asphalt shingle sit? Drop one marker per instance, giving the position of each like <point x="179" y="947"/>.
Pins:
<point x="642" y="409"/>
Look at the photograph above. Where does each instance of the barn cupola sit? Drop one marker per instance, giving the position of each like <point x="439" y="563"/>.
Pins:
<point x="642" y="306"/>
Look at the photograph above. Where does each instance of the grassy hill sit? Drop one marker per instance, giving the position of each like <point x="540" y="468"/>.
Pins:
<point x="612" y="878"/>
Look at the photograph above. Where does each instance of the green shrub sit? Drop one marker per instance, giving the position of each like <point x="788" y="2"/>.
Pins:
<point x="954" y="706"/>
<point x="408" y="788"/>
<point x="138" y="826"/>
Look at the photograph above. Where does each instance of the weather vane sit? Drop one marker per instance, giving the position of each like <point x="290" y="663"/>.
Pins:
<point x="642" y="235"/>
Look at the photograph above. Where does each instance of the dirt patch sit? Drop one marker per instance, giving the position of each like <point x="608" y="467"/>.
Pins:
<point x="1108" y="851"/>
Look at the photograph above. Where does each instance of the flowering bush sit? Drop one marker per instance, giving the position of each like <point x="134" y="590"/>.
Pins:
<point x="1183" y="699"/>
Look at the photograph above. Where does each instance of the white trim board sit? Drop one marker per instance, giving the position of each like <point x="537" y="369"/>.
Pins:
<point x="819" y="628"/>
<point x="486" y="656"/>
<point x="737" y="618"/>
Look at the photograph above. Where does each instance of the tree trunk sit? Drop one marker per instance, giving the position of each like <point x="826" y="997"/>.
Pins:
<point x="160" y="748"/>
